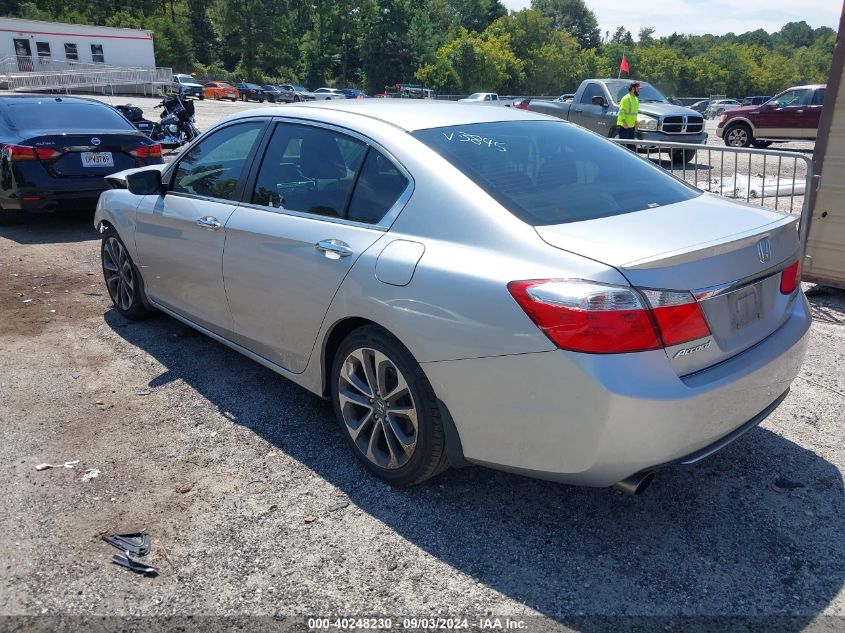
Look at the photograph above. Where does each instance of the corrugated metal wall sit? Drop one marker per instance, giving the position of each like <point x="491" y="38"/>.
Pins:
<point x="825" y="261"/>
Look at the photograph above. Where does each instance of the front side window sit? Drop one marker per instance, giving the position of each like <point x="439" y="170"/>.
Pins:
<point x="309" y="169"/>
<point x="97" y="55"/>
<point x="71" y="53"/>
<point x="548" y="172"/>
<point x="592" y="90"/>
<point x="43" y="49"/>
<point x="792" y="98"/>
<point x="214" y="167"/>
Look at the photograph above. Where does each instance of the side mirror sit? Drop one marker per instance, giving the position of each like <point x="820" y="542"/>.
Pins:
<point x="144" y="183"/>
<point x="599" y="101"/>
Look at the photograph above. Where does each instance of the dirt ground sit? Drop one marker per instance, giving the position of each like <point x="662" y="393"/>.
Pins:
<point x="257" y="507"/>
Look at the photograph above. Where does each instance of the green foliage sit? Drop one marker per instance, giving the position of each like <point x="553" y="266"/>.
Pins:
<point x="454" y="46"/>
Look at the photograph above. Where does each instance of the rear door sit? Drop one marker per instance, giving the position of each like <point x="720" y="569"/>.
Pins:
<point x="180" y="236"/>
<point x="320" y="198"/>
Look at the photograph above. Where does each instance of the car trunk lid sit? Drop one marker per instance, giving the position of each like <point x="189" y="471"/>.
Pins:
<point x="86" y="155"/>
<point x="729" y="256"/>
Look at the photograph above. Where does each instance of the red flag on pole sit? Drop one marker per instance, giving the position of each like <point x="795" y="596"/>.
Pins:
<point x="623" y="67"/>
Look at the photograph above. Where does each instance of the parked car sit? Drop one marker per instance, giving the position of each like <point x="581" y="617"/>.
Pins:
<point x="220" y="90"/>
<point x="605" y="320"/>
<point x="55" y="151"/>
<point x="792" y="115"/>
<point x="483" y="98"/>
<point x="273" y="94"/>
<point x="720" y="106"/>
<point x="328" y="93"/>
<point x="250" y="92"/>
<point x="354" y="93"/>
<point x="187" y="86"/>
<point x="299" y="93"/>
<point x="759" y="100"/>
<point x="700" y="106"/>
<point x="596" y="106"/>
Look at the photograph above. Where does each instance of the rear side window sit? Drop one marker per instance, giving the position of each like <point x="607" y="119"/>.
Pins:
<point x="818" y="97"/>
<point x="308" y="169"/>
<point x="549" y="172"/>
<point x="69" y="116"/>
<point x="379" y="187"/>
<point x="213" y="167"/>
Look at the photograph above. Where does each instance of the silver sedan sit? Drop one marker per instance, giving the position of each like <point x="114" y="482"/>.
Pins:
<point x="469" y="285"/>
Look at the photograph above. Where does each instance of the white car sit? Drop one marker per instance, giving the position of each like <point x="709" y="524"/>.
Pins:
<point x="328" y="93"/>
<point x="484" y="98"/>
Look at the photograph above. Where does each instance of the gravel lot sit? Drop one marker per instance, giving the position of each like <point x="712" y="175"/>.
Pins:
<point x="242" y="477"/>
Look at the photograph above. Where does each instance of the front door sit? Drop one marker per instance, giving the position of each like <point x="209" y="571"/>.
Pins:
<point x="316" y="205"/>
<point x="180" y="235"/>
<point x="784" y="116"/>
<point x="23" y="51"/>
<point x="589" y="115"/>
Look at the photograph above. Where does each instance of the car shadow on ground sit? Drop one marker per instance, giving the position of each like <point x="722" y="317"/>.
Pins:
<point x="755" y="529"/>
<point x="61" y="227"/>
<point x="827" y="304"/>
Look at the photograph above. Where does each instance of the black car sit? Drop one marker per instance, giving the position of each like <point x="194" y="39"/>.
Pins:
<point x="56" y="151"/>
<point x="700" y="106"/>
<point x="251" y="92"/>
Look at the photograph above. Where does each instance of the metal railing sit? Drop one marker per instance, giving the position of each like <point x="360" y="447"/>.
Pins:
<point x="775" y="179"/>
<point x="59" y="74"/>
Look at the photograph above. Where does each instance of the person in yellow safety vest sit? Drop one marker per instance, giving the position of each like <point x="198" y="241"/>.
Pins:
<point x="629" y="107"/>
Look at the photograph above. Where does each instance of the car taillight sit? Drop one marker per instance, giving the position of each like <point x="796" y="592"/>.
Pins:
<point x="584" y="316"/>
<point x="678" y="315"/>
<point x="521" y="104"/>
<point x="790" y="278"/>
<point x="146" y="151"/>
<point x="587" y="317"/>
<point x="23" y="152"/>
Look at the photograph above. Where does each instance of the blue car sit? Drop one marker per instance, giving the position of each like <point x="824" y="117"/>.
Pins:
<point x="354" y="93"/>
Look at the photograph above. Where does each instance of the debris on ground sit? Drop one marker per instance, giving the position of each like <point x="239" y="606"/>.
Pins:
<point x="340" y="505"/>
<point x="782" y="485"/>
<point x="71" y="464"/>
<point x="125" y="560"/>
<point x="310" y="518"/>
<point x="91" y="473"/>
<point x="184" y="488"/>
<point x="135" y="543"/>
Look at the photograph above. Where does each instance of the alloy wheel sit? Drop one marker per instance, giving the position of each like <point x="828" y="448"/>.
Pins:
<point x="738" y="137"/>
<point x="378" y="409"/>
<point x="117" y="267"/>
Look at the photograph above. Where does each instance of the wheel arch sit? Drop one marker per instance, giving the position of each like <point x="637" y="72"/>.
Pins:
<point x="741" y="119"/>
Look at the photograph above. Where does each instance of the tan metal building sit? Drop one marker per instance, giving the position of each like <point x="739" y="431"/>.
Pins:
<point x="825" y="259"/>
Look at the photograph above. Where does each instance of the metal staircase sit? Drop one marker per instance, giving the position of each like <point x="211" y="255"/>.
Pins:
<point x="32" y="74"/>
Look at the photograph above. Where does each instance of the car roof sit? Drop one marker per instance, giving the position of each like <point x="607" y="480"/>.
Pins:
<point x="406" y="114"/>
<point x="18" y="99"/>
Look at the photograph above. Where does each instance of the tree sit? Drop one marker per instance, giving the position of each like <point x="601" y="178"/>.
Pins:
<point x="574" y="16"/>
<point x="646" y="36"/>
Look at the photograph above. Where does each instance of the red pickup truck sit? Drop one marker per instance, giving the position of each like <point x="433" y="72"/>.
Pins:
<point x="792" y="115"/>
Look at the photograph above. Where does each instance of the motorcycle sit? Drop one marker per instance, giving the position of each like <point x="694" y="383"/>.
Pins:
<point x="177" y="121"/>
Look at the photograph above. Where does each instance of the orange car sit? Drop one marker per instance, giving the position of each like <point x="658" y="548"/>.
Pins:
<point x="220" y="90"/>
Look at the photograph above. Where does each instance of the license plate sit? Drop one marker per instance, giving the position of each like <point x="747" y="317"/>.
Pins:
<point x="97" y="159"/>
<point x="745" y="307"/>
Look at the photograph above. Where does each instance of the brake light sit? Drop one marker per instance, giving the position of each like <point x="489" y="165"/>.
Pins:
<point x="146" y="151"/>
<point x="678" y="315"/>
<point x="790" y="278"/>
<point x="587" y="317"/>
<point x="584" y="316"/>
<point x="521" y="104"/>
<point x="24" y="152"/>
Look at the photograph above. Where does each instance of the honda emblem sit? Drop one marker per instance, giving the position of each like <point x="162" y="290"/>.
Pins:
<point x="764" y="250"/>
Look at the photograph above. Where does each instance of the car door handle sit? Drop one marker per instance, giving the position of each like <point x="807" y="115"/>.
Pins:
<point x="334" y="249"/>
<point x="209" y="223"/>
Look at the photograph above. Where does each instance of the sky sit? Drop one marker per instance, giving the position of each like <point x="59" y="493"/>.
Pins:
<point x="706" y="16"/>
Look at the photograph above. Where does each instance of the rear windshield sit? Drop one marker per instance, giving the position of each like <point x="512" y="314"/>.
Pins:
<point x="552" y="172"/>
<point x="69" y="116"/>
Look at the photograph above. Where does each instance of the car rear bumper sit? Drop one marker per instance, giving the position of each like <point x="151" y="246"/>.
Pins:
<point x="38" y="201"/>
<point x="597" y="419"/>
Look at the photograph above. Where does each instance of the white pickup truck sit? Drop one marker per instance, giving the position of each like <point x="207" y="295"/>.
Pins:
<point x="484" y="98"/>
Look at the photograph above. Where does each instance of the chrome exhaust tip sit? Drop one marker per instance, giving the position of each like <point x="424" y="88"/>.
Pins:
<point x="635" y="484"/>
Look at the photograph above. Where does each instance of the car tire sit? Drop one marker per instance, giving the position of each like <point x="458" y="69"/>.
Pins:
<point x="296" y="99"/>
<point x="217" y="96"/>
<point x="122" y="278"/>
<point x="202" y="97"/>
<point x="738" y="135"/>
<point x="397" y="435"/>
<point x="682" y="156"/>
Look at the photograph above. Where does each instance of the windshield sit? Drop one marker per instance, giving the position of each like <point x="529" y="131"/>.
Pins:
<point x="549" y="172"/>
<point x="618" y="88"/>
<point x="475" y="95"/>
<point x="73" y="116"/>
<point x="185" y="79"/>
